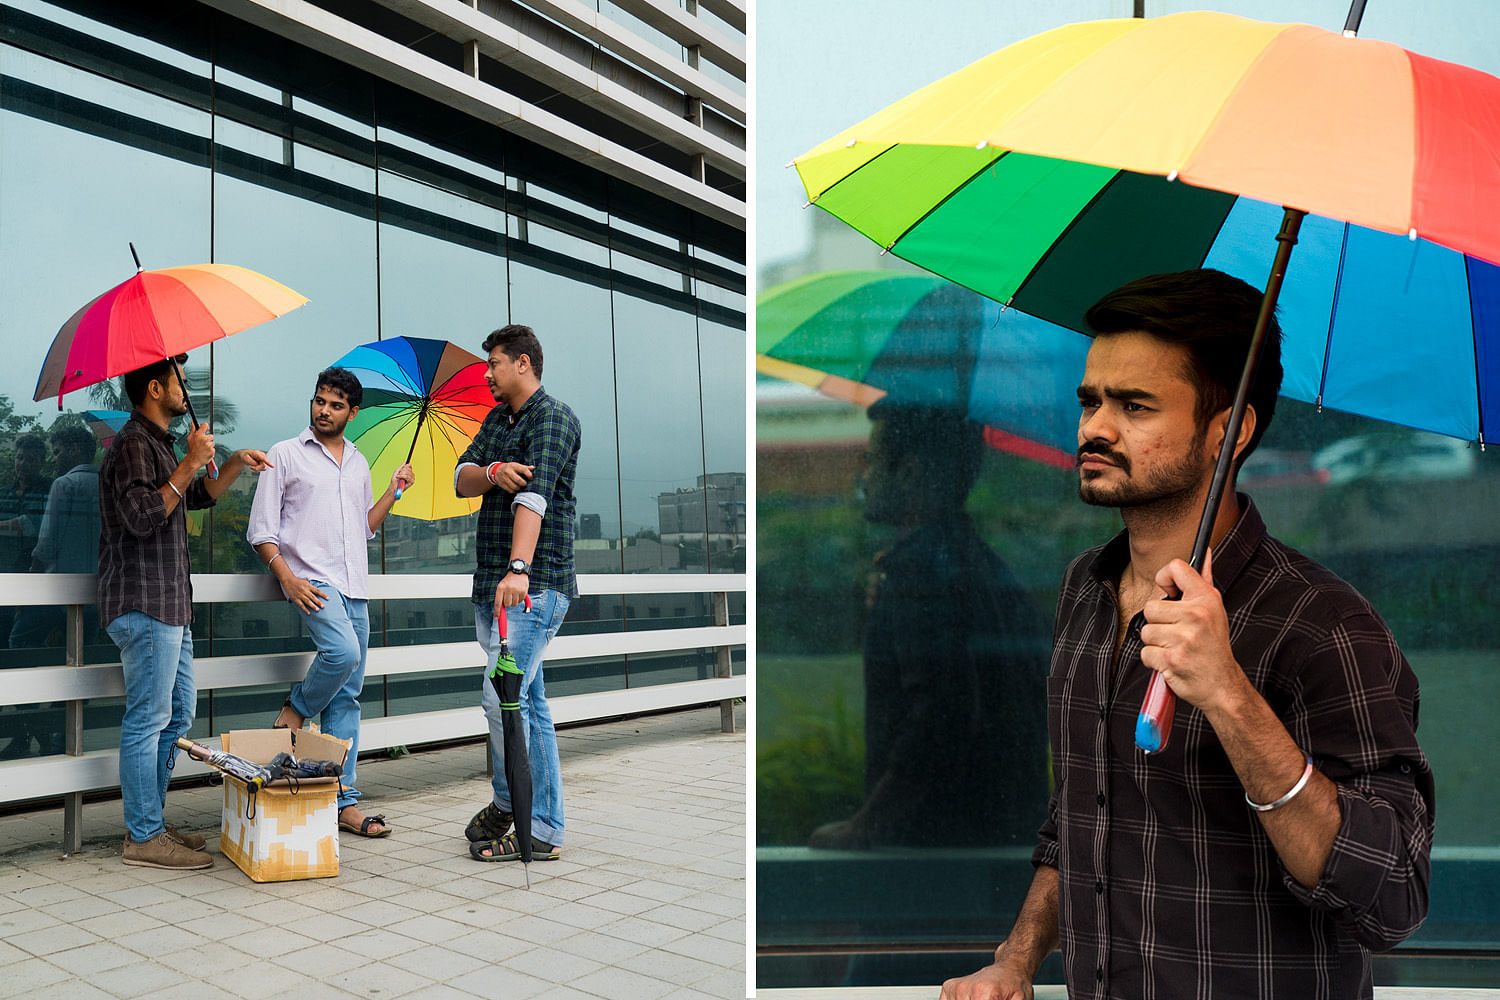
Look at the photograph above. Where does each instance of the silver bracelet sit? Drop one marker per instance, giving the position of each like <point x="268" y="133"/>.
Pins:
<point x="175" y="489"/>
<point x="272" y="559"/>
<point x="1301" y="782"/>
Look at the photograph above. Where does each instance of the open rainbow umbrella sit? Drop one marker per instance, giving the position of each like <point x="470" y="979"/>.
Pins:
<point x="859" y="336"/>
<point x="1067" y="164"/>
<point x="423" y="402"/>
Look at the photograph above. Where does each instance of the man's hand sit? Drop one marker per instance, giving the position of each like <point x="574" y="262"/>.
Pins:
<point x="993" y="982"/>
<point x="511" y="476"/>
<point x="200" y="447"/>
<point x="303" y="594"/>
<point x="1187" y="640"/>
<point x="252" y="458"/>
<point x="512" y="591"/>
<point x="403" y="477"/>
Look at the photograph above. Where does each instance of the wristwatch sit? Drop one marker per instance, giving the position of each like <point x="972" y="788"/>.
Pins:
<point x="520" y="566"/>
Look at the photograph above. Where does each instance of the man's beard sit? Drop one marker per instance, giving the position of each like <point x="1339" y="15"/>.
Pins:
<point x="1169" y="487"/>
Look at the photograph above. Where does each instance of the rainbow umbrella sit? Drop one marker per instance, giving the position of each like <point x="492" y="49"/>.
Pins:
<point x="1067" y="164"/>
<point x="859" y="336"/>
<point x="423" y="402"/>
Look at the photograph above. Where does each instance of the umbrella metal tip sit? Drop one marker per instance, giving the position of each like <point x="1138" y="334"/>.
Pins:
<point x="1171" y="177"/>
<point x="850" y="143"/>
<point x="1411" y="234"/>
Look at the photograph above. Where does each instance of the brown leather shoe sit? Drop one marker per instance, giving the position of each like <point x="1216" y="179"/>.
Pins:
<point x="192" y="841"/>
<point x="164" y="852"/>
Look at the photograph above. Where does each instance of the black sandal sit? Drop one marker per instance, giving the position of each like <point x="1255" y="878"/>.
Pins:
<point x="363" y="829"/>
<point x="508" y="848"/>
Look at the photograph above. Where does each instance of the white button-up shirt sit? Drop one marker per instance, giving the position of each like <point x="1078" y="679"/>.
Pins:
<point x="317" y="511"/>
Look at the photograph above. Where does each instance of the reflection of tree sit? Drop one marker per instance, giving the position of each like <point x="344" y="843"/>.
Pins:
<point x="222" y="414"/>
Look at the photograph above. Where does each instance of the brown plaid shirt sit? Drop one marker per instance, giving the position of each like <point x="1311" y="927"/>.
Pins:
<point x="143" y="552"/>
<point x="1169" y="887"/>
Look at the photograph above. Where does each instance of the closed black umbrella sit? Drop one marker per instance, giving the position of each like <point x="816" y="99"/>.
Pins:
<point x="506" y="677"/>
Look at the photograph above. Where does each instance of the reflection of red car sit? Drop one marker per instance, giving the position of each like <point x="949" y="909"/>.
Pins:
<point x="1270" y="468"/>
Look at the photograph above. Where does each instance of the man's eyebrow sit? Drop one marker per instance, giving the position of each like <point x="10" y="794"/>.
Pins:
<point x="1122" y="394"/>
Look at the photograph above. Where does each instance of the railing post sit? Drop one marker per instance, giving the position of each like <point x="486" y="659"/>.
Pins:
<point x="73" y="736"/>
<point x="722" y="661"/>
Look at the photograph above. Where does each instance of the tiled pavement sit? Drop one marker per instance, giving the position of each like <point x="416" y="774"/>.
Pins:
<point x="647" y="900"/>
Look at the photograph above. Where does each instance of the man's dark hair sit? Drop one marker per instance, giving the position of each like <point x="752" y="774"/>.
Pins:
<point x="1213" y="315"/>
<point x="31" y="441"/>
<point x="343" y="380"/>
<point x="516" y="340"/>
<point x="944" y="440"/>
<point x="136" y="382"/>
<point x="73" y="439"/>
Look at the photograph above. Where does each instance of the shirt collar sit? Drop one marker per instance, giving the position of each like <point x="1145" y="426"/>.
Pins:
<point x="150" y="427"/>
<point x="535" y="396"/>
<point x="1230" y="558"/>
<point x="308" y="437"/>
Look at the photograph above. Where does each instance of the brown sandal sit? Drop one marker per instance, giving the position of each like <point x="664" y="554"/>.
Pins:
<point x="363" y="829"/>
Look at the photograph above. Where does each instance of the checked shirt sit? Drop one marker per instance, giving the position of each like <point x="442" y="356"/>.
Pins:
<point x="546" y="434"/>
<point x="1169" y="886"/>
<point x="143" y="550"/>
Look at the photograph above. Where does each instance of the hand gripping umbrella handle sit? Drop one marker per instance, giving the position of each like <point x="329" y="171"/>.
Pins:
<point x="500" y="622"/>
<point x="213" y="467"/>
<point x="1154" y="723"/>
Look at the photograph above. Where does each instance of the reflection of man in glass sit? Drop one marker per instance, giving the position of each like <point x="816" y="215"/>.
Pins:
<point x="22" y="502"/>
<point x="68" y="536"/>
<point x="312" y="514"/>
<point x="955" y="655"/>
<point x="523" y="462"/>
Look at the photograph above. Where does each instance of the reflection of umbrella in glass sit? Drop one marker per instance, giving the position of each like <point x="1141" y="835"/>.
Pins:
<point x="1036" y="176"/>
<point x="423" y="402"/>
<point x="105" y="424"/>
<point x="155" y="316"/>
<point x="862" y="335"/>
<point x="506" y="677"/>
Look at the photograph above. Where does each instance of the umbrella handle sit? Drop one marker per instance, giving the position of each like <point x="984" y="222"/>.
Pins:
<point x="213" y="467"/>
<point x="500" y="622"/>
<point x="421" y="416"/>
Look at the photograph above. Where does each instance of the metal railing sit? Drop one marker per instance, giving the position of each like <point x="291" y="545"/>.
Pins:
<point x="74" y="772"/>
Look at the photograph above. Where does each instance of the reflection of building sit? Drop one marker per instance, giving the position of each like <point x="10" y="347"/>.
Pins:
<point x="716" y="507"/>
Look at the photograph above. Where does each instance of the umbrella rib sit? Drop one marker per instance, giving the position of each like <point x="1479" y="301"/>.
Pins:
<point x="1058" y="240"/>
<point x="1478" y="377"/>
<point x="890" y="248"/>
<point x="1338" y="289"/>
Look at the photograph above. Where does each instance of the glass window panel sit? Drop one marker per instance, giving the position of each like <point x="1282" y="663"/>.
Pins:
<point x="722" y="350"/>
<point x="548" y="238"/>
<point x="654" y="273"/>
<point x="106" y="32"/>
<point x="255" y="88"/>
<point x="663" y="496"/>
<point x="463" y="166"/>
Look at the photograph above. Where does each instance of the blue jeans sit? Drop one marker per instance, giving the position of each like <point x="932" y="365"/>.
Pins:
<point x="341" y="631"/>
<point x="160" y="698"/>
<point x="529" y="633"/>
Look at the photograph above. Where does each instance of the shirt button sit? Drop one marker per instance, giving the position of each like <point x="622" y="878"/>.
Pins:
<point x="1103" y="712"/>
<point x="1098" y="888"/>
<point x="1099" y="798"/>
<point x="1099" y="974"/>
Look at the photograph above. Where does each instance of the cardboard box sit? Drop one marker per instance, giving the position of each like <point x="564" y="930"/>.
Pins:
<point x="287" y="830"/>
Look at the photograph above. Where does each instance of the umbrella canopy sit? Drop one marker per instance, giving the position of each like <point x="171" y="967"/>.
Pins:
<point x="423" y="402"/>
<point x="1039" y="176"/>
<point x="506" y="677"/>
<point x="1058" y="168"/>
<point x="105" y="424"/>
<point x="861" y="335"/>
<point x="157" y="315"/>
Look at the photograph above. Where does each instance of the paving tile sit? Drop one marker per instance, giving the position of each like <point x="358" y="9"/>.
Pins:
<point x="50" y="940"/>
<point x="141" y="978"/>
<point x="28" y="975"/>
<point x="501" y="983"/>
<point x="70" y="990"/>
<point x="100" y="956"/>
<point x="382" y="979"/>
<point x="437" y="963"/>
<point x="621" y="984"/>
<point x="602" y="947"/>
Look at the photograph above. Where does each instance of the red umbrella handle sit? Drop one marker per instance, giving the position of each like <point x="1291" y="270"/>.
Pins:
<point x="500" y="619"/>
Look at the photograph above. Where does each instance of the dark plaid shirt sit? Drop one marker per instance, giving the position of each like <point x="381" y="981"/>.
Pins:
<point x="1169" y="886"/>
<point x="546" y="434"/>
<point x="143" y="551"/>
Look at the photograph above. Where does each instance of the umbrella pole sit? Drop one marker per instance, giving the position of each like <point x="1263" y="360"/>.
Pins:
<point x="213" y="467"/>
<point x="1154" y="724"/>
<point x="421" y="416"/>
